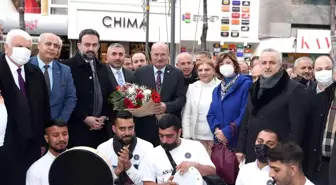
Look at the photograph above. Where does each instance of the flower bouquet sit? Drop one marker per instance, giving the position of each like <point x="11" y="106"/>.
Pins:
<point x="139" y="100"/>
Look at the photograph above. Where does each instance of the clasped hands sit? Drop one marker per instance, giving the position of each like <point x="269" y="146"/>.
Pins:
<point x="124" y="162"/>
<point x="95" y="123"/>
<point x="181" y="168"/>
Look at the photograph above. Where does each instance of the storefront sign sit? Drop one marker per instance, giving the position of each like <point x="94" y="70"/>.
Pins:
<point x="122" y="22"/>
<point x="313" y="41"/>
<point x="187" y="16"/>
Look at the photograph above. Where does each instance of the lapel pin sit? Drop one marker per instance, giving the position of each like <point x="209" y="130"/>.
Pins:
<point x="90" y="77"/>
<point x="167" y="71"/>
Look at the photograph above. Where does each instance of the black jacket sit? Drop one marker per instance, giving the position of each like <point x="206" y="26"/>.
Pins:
<point x="281" y="109"/>
<point x="79" y="132"/>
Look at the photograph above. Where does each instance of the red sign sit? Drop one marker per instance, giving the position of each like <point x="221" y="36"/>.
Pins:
<point x="31" y="25"/>
<point x="245" y="16"/>
<point x="235" y="15"/>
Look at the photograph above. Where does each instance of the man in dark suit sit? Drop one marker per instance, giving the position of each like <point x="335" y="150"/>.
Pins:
<point x="57" y="76"/>
<point x="118" y="75"/>
<point x="87" y="122"/>
<point x="25" y="94"/>
<point x="169" y="82"/>
<point x="275" y="102"/>
<point x="303" y="69"/>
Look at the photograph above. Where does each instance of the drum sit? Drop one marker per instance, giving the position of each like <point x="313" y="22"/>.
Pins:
<point x="191" y="176"/>
<point x="80" y="166"/>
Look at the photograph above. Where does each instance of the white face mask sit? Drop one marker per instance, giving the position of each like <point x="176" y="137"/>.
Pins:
<point x="324" y="77"/>
<point x="20" y="55"/>
<point x="226" y="70"/>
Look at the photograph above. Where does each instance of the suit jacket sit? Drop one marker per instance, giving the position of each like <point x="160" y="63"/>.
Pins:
<point x="27" y="116"/>
<point x="128" y="74"/>
<point x="173" y="94"/>
<point x="63" y="94"/>
<point x="83" y="80"/>
<point x="281" y="109"/>
<point x="190" y="111"/>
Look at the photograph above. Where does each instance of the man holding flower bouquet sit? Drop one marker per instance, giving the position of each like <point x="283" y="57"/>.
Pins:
<point x="168" y="81"/>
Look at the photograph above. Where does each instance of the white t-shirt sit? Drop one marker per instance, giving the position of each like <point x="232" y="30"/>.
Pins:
<point x="251" y="174"/>
<point x="141" y="149"/>
<point x="38" y="173"/>
<point x="3" y="122"/>
<point x="156" y="165"/>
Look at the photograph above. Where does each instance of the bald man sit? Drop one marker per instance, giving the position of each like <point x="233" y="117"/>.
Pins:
<point x="186" y="65"/>
<point x="321" y="125"/>
<point x="169" y="82"/>
<point x="57" y="76"/>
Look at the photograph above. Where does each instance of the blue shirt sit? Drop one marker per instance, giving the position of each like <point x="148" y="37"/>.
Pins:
<point x="155" y="73"/>
<point x="41" y="66"/>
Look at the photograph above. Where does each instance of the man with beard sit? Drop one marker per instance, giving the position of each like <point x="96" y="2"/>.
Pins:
<point x="286" y="161"/>
<point x="275" y="102"/>
<point x="56" y="135"/>
<point x="125" y="150"/>
<point x="87" y="122"/>
<point x="187" y="66"/>
<point x="156" y="167"/>
<point x="138" y="60"/>
<point x="258" y="172"/>
<point x="303" y="69"/>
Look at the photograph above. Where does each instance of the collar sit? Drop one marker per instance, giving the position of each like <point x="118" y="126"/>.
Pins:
<point x="155" y="69"/>
<point x="49" y="154"/>
<point x="41" y="64"/>
<point x="12" y="66"/>
<point x="266" y="168"/>
<point x="318" y="90"/>
<point x="114" y="70"/>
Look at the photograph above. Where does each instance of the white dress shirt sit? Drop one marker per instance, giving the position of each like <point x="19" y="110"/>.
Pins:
<point x="115" y="73"/>
<point x="13" y="68"/>
<point x="3" y="121"/>
<point x="141" y="149"/>
<point x="38" y="173"/>
<point x="251" y="174"/>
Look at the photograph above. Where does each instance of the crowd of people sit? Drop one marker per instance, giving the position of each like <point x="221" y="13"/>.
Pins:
<point x="279" y="122"/>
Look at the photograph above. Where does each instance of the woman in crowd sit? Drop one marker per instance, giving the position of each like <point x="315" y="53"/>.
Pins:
<point x="195" y="124"/>
<point x="229" y="100"/>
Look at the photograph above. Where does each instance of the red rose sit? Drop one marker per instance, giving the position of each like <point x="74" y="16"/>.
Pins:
<point x="128" y="103"/>
<point x="139" y="96"/>
<point x="156" y="97"/>
<point x="138" y="91"/>
<point x="118" y="88"/>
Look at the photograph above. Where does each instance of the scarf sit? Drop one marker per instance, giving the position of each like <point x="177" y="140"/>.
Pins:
<point x="118" y="144"/>
<point x="269" y="82"/>
<point x="225" y="87"/>
<point x="330" y="129"/>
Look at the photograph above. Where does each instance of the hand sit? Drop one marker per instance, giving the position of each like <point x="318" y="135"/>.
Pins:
<point x="240" y="157"/>
<point x="93" y="123"/>
<point x="124" y="158"/>
<point x="160" y="108"/>
<point x="170" y="181"/>
<point x="101" y="119"/>
<point x="220" y="136"/>
<point x="120" y="168"/>
<point x="185" y="165"/>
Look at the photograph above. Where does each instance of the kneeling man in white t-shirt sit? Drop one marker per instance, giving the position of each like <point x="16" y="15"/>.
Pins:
<point x="156" y="166"/>
<point x="125" y="151"/>
<point x="257" y="172"/>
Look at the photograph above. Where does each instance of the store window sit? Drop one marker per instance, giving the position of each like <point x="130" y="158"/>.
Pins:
<point x="312" y="2"/>
<point x="31" y="6"/>
<point x="59" y="7"/>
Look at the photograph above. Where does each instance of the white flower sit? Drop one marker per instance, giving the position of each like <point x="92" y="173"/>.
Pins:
<point x="147" y="92"/>
<point x="131" y="90"/>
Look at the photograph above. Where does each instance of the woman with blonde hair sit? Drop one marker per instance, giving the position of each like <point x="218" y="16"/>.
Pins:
<point x="194" y="122"/>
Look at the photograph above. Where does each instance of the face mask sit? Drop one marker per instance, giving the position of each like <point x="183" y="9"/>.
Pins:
<point x="261" y="151"/>
<point x="324" y="77"/>
<point x="226" y="70"/>
<point x="20" y="55"/>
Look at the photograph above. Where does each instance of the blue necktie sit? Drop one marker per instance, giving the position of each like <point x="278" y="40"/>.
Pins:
<point x="120" y="78"/>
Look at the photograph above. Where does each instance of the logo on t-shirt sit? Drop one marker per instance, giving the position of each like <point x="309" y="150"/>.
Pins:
<point x="136" y="157"/>
<point x="187" y="155"/>
<point x="165" y="172"/>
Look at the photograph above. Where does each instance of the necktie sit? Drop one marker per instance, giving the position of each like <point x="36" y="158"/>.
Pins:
<point x="46" y="77"/>
<point x="21" y="82"/>
<point x="120" y="78"/>
<point x="158" y="80"/>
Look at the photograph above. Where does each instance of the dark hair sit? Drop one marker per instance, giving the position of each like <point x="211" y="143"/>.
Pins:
<point x="56" y="122"/>
<point x="206" y="53"/>
<point x="287" y="152"/>
<point x="221" y="57"/>
<point x="170" y="120"/>
<point x="271" y="132"/>
<point x="127" y="56"/>
<point x="87" y="32"/>
<point x="123" y="115"/>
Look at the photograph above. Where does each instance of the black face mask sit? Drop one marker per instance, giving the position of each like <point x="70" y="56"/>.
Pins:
<point x="261" y="151"/>
<point x="169" y="146"/>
